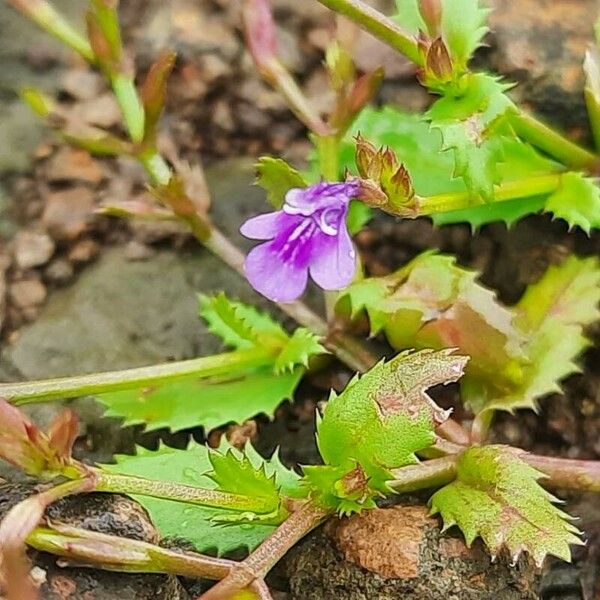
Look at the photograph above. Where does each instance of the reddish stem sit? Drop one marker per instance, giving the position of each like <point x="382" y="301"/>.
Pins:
<point x="260" y="562"/>
<point x="572" y="474"/>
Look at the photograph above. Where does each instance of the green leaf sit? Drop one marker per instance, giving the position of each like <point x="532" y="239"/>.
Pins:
<point x="420" y="149"/>
<point x="496" y="497"/>
<point x="239" y="325"/>
<point x="463" y="25"/>
<point x="470" y="124"/>
<point x="301" y="346"/>
<point x="552" y="315"/>
<point x="432" y="303"/>
<point x="577" y="201"/>
<point x="276" y="177"/>
<point x="378" y="423"/>
<point x="210" y="402"/>
<point x="200" y="525"/>
<point x="359" y="214"/>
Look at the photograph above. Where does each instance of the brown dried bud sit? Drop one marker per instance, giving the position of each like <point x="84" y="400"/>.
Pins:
<point x="403" y="182"/>
<point x="365" y="152"/>
<point x="438" y="62"/>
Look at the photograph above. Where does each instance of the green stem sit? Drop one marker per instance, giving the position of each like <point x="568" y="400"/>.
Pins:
<point x="431" y="473"/>
<point x="124" y="555"/>
<point x="553" y="143"/>
<point x="46" y="17"/>
<point x="593" y="109"/>
<point x="176" y="492"/>
<point x="328" y="151"/>
<point x="378" y="25"/>
<point x="131" y="106"/>
<point x="98" y="383"/>
<point x="511" y="190"/>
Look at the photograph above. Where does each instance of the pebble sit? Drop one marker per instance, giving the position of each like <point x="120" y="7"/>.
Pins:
<point x="72" y="164"/>
<point x="68" y="213"/>
<point x="27" y="293"/>
<point x="84" y="251"/>
<point x="59" y="271"/>
<point x="33" y="249"/>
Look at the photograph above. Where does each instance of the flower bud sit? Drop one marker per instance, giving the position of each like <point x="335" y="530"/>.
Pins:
<point x="438" y="62"/>
<point x="431" y="12"/>
<point x="259" y="31"/>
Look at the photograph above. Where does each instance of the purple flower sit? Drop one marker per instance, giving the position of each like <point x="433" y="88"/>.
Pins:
<point x="309" y="234"/>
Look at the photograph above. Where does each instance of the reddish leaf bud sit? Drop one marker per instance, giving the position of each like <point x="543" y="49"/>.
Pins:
<point x="259" y="31"/>
<point x="431" y="11"/>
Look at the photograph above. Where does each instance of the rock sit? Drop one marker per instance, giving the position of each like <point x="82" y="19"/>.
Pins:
<point x="399" y="552"/>
<point x="102" y="110"/>
<point x="105" y="513"/>
<point x="33" y="249"/>
<point x="541" y="44"/>
<point x="370" y="54"/>
<point x="59" y="271"/>
<point x="4" y="264"/>
<point x="84" y="251"/>
<point x="68" y="212"/>
<point x="82" y="84"/>
<point x="27" y="293"/>
<point x="73" y="164"/>
<point x="135" y="250"/>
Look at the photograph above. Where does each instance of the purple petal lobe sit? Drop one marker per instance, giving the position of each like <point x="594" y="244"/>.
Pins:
<point x="278" y="280"/>
<point x="334" y="260"/>
<point x="264" y="227"/>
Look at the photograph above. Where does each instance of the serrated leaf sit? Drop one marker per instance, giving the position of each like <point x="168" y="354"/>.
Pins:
<point x="378" y="423"/>
<point x="420" y="148"/>
<point x="577" y="201"/>
<point x="496" y="497"/>
<point x="469" y="122"/>
<point x="242" y="326"/>
<point x="463" y="25"/>
<point x="551" y="314"/>
<point x="210" y="403"/>
<point x="432" y="303"/>
<point x="277" y="177"/>
<point x="195" y="524"/>
<point x="299" y="348"/>
<point x="239" y="325"/>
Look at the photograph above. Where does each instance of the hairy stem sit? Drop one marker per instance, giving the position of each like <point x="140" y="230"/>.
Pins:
<point x="113" y="553"/>
<point x="177" y="492"/>
<point x="260" y="562"/>
<point x="378" y="25"/>
<point x="98" y="383"/>
<point x="511" y="190"/>
<point x="553" y="143"/>
<point x="572" y="474"/>
<point x="431" y="473"/>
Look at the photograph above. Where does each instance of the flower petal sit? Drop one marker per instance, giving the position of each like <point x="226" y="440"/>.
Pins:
<point x="333" y="264"/>
<point x="280" y="281"/>
<point x="267" y="226"/>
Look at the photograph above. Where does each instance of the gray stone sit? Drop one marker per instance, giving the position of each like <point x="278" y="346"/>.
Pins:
<point x="33" y="249"/>
<point x="22" y="45"/>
